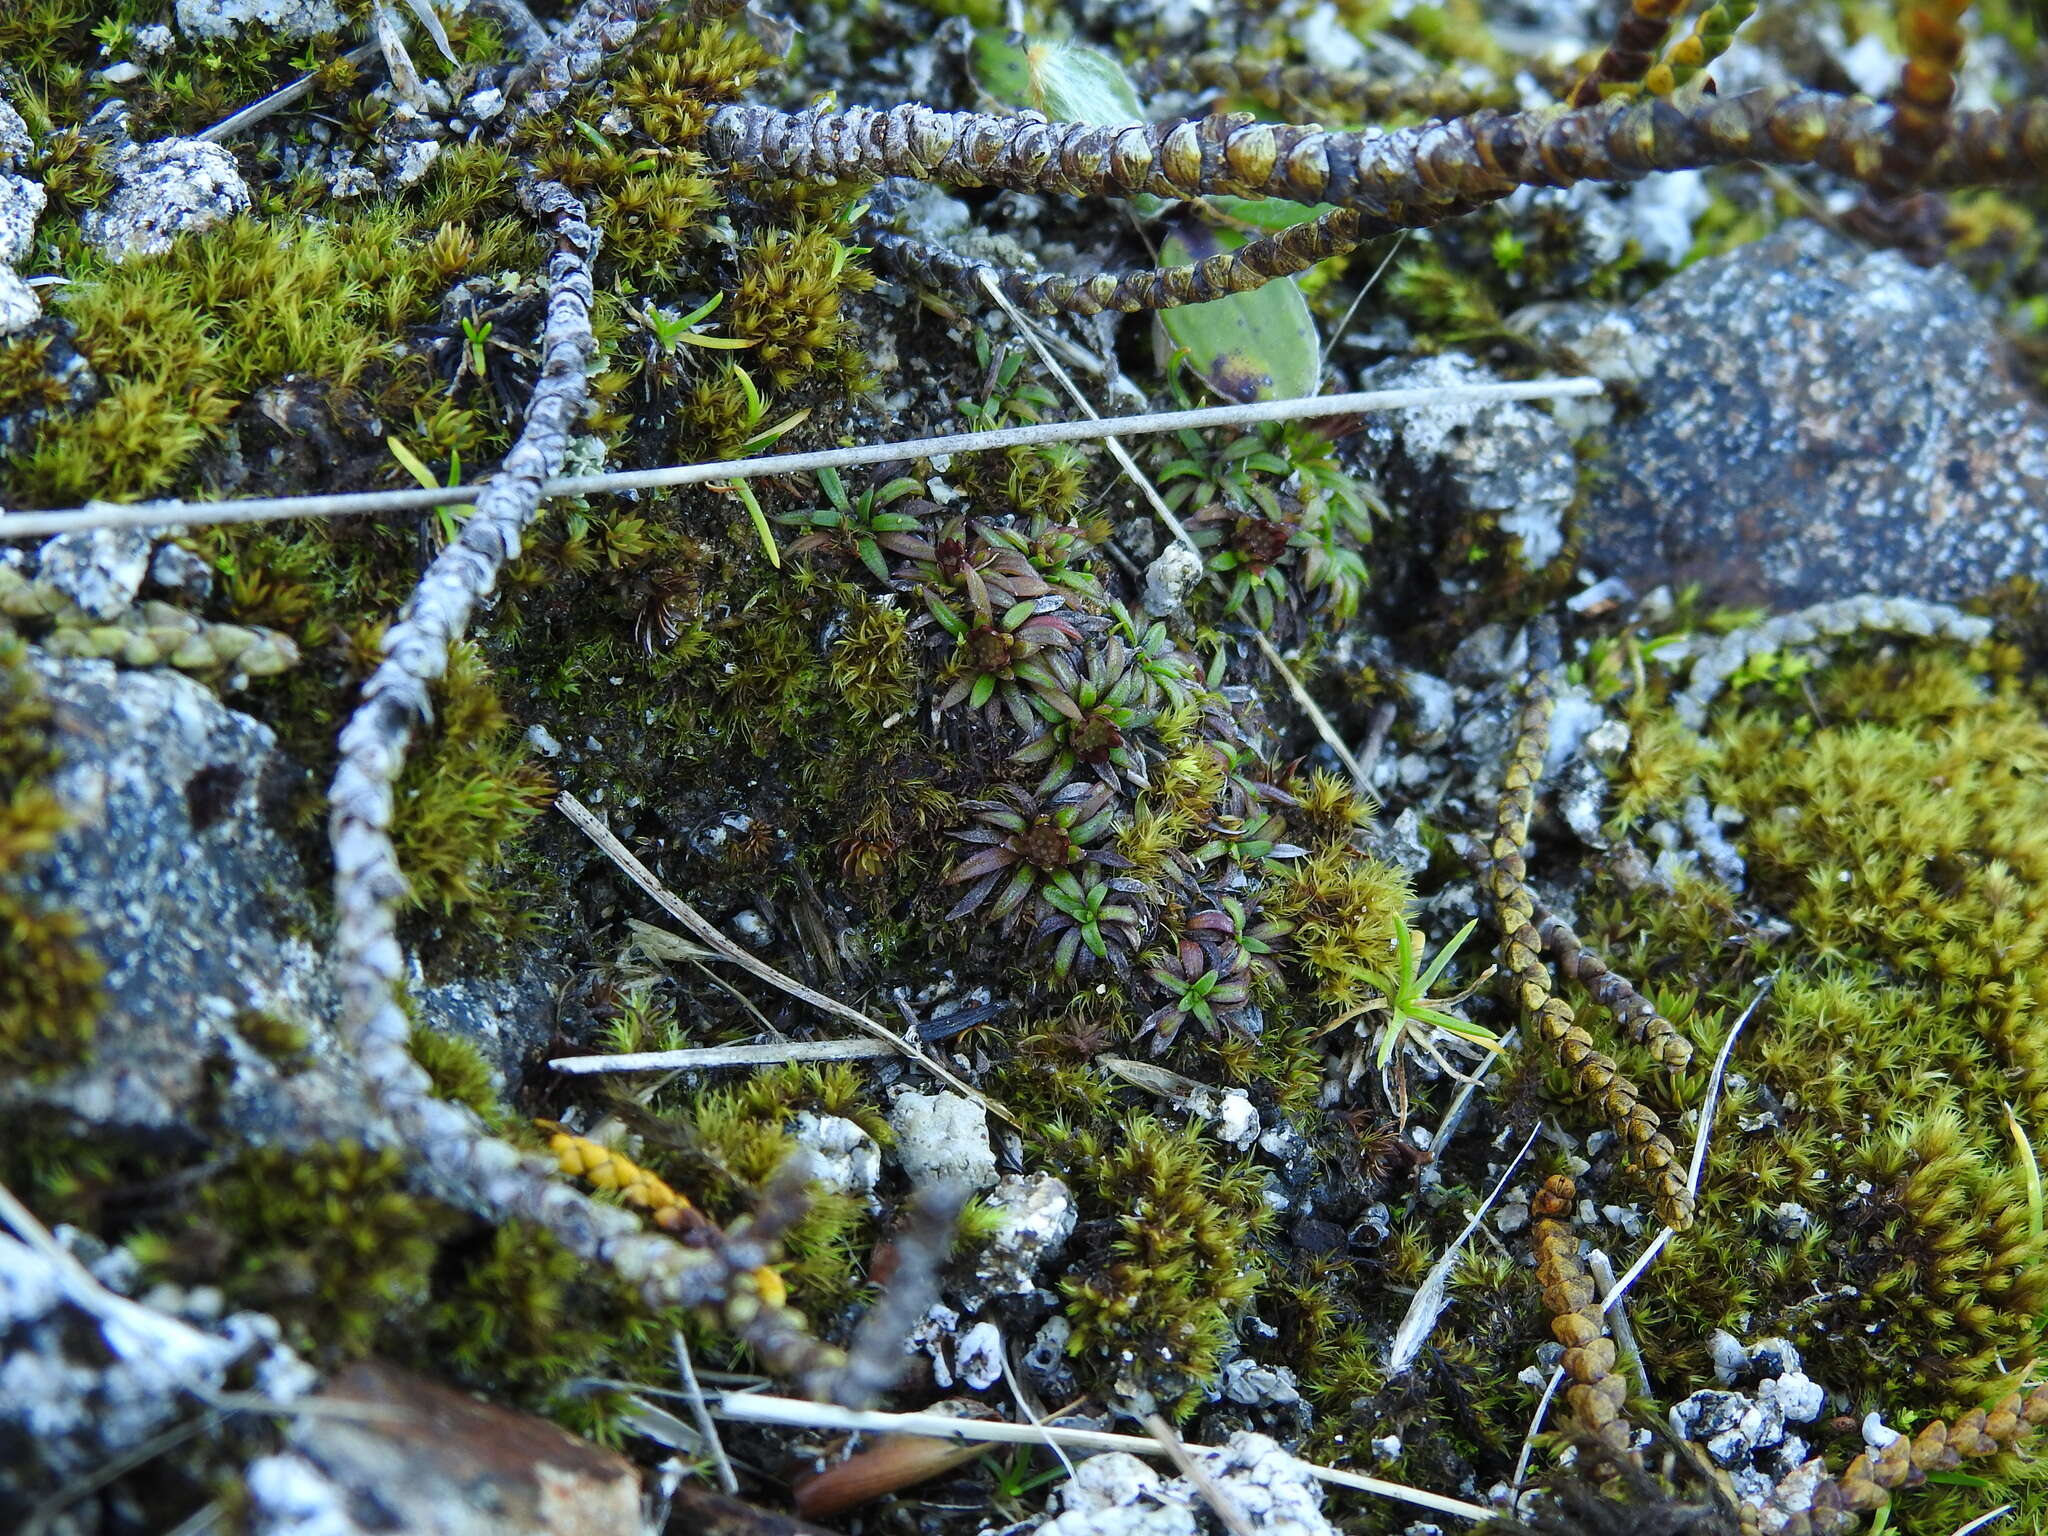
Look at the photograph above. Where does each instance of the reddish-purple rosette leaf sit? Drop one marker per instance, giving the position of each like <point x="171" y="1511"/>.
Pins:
<point x="985" y="862"/>
<point x="976" y="895"/>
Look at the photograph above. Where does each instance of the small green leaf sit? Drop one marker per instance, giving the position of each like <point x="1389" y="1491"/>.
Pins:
<point x="760" y="519"/>
<point x="1068" y="82"/>
<point x="412" y="464"/>
<point x="1267" y="215"/>
<point x="984" y="690"/>
<point x="1260" y="345"/>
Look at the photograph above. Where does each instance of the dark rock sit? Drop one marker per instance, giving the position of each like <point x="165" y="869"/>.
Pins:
<point x="1504" y="463"/>
<point x="1821" y="420"/>
<point x="400" y="1454"/>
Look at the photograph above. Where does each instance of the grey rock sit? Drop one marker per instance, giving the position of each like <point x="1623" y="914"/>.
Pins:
<point x="196" y="906"/>
<point x="978" y="1360"/>
<point x="1706" y="1414"/>
<point x="1118" y="1495"/>
<point x="839" y="1154"/>
<point x="1038" y="1216"/>
<point x="19" y="307"/>
<point x="1170" y="578"/>
<point x="1398" y="842"/>
<point x="1247" y="1381"/>
<point x="162" y="190"/>
<point x="1822" y="420"/>
<point x="64" y="365"/>
<point x="21" y="203"/>
<point x="1729" y="1356"/>
<point x="1798" y="1395"/>
<point x="1046" y="1364"/>
<point x="290" y="18"/>
<point x="1115" y="1494"/>
<point x="942" y="1138"/>
<point x="15" y="144"/>
<point x="1505" y="462"/>
<point x="180" y="574"/>
<point x="1431" y="705"/>
<point x="99" y="569"/>
<point x="87" y="1376"/>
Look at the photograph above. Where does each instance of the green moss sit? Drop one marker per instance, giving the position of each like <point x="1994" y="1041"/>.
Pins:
<point x="1343" y="907"/>
<point x="787" y="302"/>
<point x="278" y="1038"/>
<point x="1156" y="1304"/>
<point x="328" y="1240"/>
<point x="49" y="979"/>
<point x="463" y="796"/>
<point x="459" y="1073"/>
<point x="1894" y="815"/>
<point x="516" y="1314"/>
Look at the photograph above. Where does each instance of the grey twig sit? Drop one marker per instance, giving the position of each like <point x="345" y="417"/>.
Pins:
<point x="1726" y="656"/>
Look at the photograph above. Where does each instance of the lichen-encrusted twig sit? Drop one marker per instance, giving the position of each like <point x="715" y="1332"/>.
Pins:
<point x="1594" y="1073"/>
<point x="1596" y="1394"/>
<point x="471" y="1167"/>
<point x="597" y="31"/>
<point x="1400" y="176"/>
<point x="1869" y="1482"/>
<point x="1382" y="182"/>
<point x="1721" y="660"/>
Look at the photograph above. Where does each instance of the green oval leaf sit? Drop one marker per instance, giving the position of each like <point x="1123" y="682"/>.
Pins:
<point x="1260" y="345"/>
<point x="1068" y="82"/>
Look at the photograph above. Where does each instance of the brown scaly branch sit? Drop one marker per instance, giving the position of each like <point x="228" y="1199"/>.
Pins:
<point x="1870" y="1481"/>
<point x="1407" y="179"/>
<point x="1593" y="1073"/>
<point x="1596" y="1394"/>
<point x="1893" y="213"/>
<point x="1608" y="988"/>
<point x="1046" y="293"/>
<point x="1612" y="991"/>
<point x="1637" y="37"/>
<point x="1932" y="33"/>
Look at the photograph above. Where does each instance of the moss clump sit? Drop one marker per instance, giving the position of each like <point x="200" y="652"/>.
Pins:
<point x="278" y="1038"/>
<point x="787" y="302"/>
<point x="1157" y="1302"/>
<point x="741" y="1135"/>
<point x="459" y="1073"/>
<point x="1896" y="815"/>
<point x="49" y="980"/>
<point x="464" y="796"/>
<point x="515" y="1313"/>
<point x="1343" y="907"/>
<point x="328" y="1240"/>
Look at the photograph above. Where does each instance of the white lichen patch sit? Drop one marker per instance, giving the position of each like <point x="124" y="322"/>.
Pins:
<point x="163" y="190"/>
<point x="289" y="18"/>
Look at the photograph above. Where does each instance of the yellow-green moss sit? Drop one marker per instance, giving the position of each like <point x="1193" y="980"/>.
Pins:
<point x="1896" y="816"/>
<point x="49" y="979"/>
<point x="463" y="796"/>
<point x="1157" y="1303"/>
